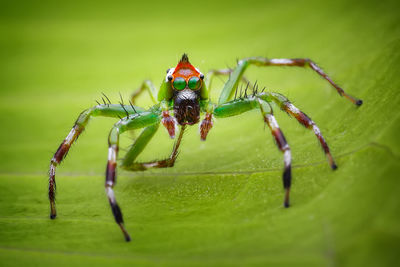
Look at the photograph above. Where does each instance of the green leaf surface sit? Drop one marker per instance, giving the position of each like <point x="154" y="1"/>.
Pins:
<point x="222" y="202"/>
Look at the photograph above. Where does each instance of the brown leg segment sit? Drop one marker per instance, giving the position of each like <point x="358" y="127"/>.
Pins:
<point x="106" y="110"/>
<point x="110" y="182"/>
<point x="283" y="146"/>
<point x="306" y="121"/>
<point x="56" y="160"/>
<point x="304" y="62"/>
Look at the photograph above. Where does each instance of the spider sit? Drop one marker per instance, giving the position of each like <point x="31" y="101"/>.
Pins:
<point x="182" y="97"/>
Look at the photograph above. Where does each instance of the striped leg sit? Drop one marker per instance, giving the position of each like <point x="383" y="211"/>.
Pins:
<point x="237" y="73"/>
<point x="304" y="120"/>
<point x="106" y="110"/>
<point x="241" y="105"/>
<point x="136" y="121"/>
<point x="283" y="146"/>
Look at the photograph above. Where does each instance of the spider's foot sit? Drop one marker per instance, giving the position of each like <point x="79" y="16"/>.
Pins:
<point x="126" y="235"/>
<point x="286" y="201"/>
<point x="53" y="213"/>
<point x="331" y="161"/>
<point x="354" y="100"/>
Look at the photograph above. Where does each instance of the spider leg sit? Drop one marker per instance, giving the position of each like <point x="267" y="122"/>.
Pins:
<point x="140" y="143"/>
<point x="220" y="72"/>
<point x="148" y="86"/>
<point x="106" y="110"/>
<point x="260" y="101"/>
<point x="234" y="78"/>
<point x="132" y="122"/>
<point x="304" y="120"/>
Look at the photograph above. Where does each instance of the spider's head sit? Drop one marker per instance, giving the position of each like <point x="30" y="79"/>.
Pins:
<point x="186" y="82"/>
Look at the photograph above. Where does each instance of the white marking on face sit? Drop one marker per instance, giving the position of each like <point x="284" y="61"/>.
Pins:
<point x="198" y="70"/>
<point x="170" y="71"/>
<point x="187" y="94"/>
<point x="287" y="157"/>
<point x="281" y="61"/>
<point x="112" y="154"/>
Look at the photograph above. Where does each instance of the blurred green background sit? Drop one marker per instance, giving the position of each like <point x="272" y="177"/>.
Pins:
<point x="222" y="202"/>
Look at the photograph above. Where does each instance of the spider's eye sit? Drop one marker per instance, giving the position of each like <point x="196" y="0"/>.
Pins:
<point x="179" y="83"/>
<point x="194" y="83"/>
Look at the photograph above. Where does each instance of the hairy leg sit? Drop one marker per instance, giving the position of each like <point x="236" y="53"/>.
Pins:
<point x="242" y="105"/>
<point x="304" y="120"/>
<point x="148" y="86"/>
<point x="137" y="121"/>
<point x="106" y="110"/>
<point x="231" y="85"/>
<point x="219" y="72"/>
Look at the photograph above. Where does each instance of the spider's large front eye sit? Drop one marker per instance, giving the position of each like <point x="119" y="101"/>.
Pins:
<point x="194" y="83"/>
<point x="179" y="83"/>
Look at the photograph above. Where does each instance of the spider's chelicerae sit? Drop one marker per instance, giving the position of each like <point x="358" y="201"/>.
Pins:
<point x="182" y="97"/>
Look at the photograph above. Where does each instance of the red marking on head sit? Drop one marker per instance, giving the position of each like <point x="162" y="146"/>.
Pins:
<point x="184" y="69"/>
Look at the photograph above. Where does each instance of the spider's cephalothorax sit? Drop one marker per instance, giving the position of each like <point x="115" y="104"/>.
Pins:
<point x="186" y="83"/>
<point x="185" y="92"/>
